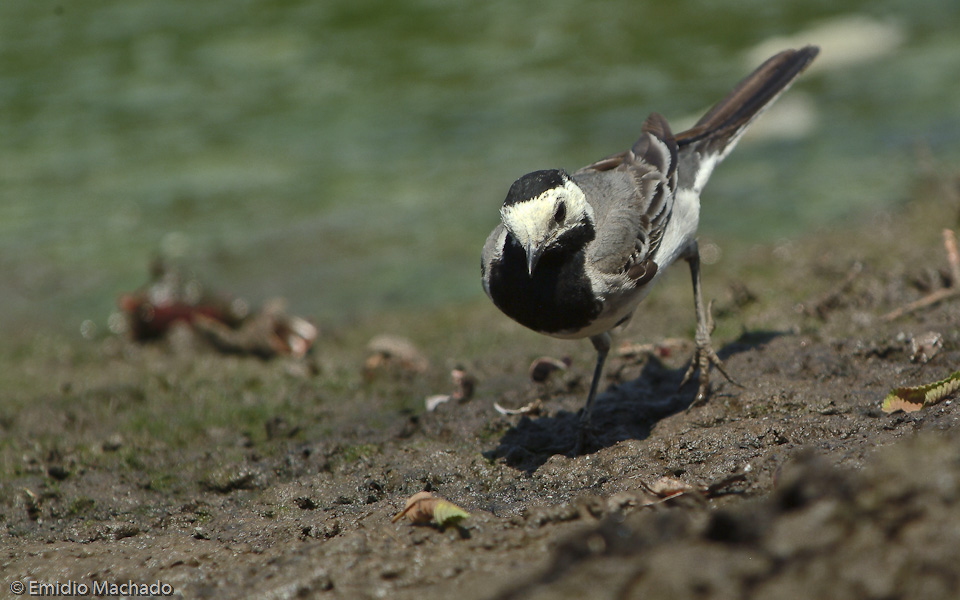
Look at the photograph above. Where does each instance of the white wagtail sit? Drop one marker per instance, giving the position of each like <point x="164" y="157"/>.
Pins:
<point x="575" y="254"/>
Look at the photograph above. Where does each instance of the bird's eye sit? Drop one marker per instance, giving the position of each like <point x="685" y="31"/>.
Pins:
<point x="561" y="213"/>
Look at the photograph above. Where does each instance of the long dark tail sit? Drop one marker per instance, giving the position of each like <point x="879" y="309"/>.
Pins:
<point x="708" y="142"/>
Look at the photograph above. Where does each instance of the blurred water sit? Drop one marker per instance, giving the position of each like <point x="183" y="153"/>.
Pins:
<point x="351" y="155"/>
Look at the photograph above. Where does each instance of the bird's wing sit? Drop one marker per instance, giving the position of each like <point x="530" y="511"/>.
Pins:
<point x="632" y="195"/>
<point x="492" y="249"/>
<point x="704" y="145"/>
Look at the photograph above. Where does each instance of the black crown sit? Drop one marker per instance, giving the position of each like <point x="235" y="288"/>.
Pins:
<point x="533" y="184"/>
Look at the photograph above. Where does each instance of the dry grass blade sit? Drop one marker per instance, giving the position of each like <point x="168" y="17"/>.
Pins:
<point x="831" y="300"/>
<point x="953" y="257"/>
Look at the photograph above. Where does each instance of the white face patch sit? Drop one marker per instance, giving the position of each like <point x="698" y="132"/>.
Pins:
<point x="533" y="222"/>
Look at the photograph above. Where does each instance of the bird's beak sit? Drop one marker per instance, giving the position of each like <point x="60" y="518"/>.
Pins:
<point x="534" y="252"/>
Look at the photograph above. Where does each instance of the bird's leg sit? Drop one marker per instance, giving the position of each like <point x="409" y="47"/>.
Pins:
<point x="602" y="343"/>
<point x="705" y="355"/>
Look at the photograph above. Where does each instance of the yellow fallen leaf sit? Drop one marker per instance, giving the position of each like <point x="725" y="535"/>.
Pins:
<point x="669" y="486"/>
<point x="447" y="513"/>
<point x="895" y="402"/>
<point x="424" y="507"/>
<point x="910" y="399"/>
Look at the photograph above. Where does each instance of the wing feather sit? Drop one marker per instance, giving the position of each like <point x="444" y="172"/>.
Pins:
<point x="704" y="145"/>
<point x="632" y="197"/>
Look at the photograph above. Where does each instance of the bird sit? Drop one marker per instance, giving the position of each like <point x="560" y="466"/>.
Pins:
<point x="575" y="253"/>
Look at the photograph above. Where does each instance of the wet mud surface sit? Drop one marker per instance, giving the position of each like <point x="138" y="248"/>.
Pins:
<point x="232" y="477"/>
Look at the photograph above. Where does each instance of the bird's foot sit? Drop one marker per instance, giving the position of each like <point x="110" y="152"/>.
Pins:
<point x="584" y="439"/>
<point x="703" y="358"/>
<point x="580" y="442"/>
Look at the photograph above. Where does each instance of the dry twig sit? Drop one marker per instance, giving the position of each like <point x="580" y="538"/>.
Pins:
<point x="831" y="299"/>
<point x="935" y="297"/>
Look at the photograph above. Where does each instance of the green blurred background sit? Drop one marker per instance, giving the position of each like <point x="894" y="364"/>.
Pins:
<point x="351" y="155"/>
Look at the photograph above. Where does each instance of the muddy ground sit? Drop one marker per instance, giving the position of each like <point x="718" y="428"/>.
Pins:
<point x="234" y="477"/>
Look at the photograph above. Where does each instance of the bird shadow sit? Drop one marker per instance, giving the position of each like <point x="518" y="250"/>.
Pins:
<point x="625" y="411"/>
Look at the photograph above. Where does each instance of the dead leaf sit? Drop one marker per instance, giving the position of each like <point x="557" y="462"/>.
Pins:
<point x="669" y="486"/>
<point x="893" y="403"/>
<point x="394" y="352"/>
<point x="267" y="333"/>
<point x="543" y="367"/>
<point x="532" y="408"/>
<point x="424" y="507"/>
<point x="925" y="347"/>
<point x="432" y="402"/>
<point x="174" y="301"/>
<point x="911" y="399"/>
<point x="664" y="349"/>
<point x="464" y="384"/>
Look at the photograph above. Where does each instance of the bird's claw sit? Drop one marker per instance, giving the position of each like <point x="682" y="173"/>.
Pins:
<point x="584" y="435"/>
<point x="703" y="357"/>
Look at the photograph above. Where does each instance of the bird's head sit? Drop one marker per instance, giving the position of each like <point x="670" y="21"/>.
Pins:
<point x="540" y="207"/>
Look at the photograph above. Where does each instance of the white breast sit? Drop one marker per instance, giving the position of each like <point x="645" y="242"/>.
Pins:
<point x="681" y="229"/>
<point x="620" y="298"/>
